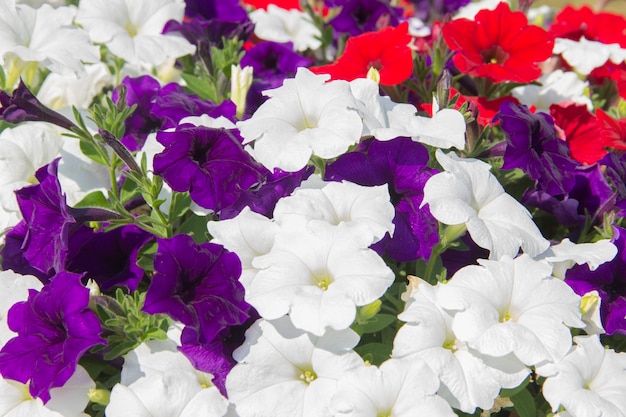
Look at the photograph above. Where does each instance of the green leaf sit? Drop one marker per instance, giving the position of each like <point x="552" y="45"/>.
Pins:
<point x="374" y="324"/>
<point x="201" y="87"/>
<point x="94" y="199"/>
<point x="375" y="353"/>
<point x="90" y="151"/>
<point x="524" y="404"/>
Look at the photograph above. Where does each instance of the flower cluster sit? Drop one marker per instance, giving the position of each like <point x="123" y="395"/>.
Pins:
<point x="314" y="208"/>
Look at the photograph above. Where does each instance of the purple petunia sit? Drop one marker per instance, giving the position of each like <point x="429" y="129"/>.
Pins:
<point x="402" y="164"/>
<point x="54" y="329"/>
<point x="533" y="147"/>
<point x="209" y="163"/>
<point x="197" y="284"/>
<point x="359" y="16"/>
<point x="610" y="282"/>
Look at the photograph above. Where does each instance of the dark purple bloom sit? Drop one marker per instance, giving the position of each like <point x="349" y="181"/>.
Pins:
<point x="23" y="106"/>
<point x="209" y="163"/>
<point x="272" y="63"/>
<point x="109" y="258"/>
<point x="48" y="220"/>
<point x="229" y="10"/>
<point x="615" y="171"/>
<point x="610" y="282"/>
<point x="197" y="284"/>
<point x="429" y="10"/>
<point x="263" y="199"/>
<point x="215" y="357"/>
<point x="172" y="104"/>
<point x="402" y="164"/>
<point x="54" y="329"/>
<point x="141" y="91"/>
<point x="12" y="254"/>
<point x="359" y="16"/>
<point x="590" y="196"/>
<point x="533" y="147"/>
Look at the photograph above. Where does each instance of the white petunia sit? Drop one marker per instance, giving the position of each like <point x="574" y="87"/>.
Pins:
<point x="567" y="254"/>
<point x="512" y="306"/>
<point x="67" y="401"/>
<point x="318" y="276"/>
<point x="399" y="387"/>
<point x="280" y="25"/>
<point x="365" y="212"/>
<point x="59" y="91"/>
<point x="467" y="193"/>
<point x="249" y="235"/>
<point x="306" y="116"/>
<point x="284" y="372"/>
<point x="585" y="55"/>
<point x="131" y="29"/>
<point x="589" y="382"/>
<point x="42" y="36"/>
<point x="386" y="120"/>
<point x="470" y="10"/>
<point x="557" y="87"/>
<point x="468" y="379"/>
<point x="159" y="381"/>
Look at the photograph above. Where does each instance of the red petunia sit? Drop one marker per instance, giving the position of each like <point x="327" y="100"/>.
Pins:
<point x="602" y="27"/>
<point x="581" y="131"/>
<point x="386" y="50"/>
<point x="612" y="71"/>
<point x="613" y="130"/>
<point x="498" y="44"/>
<point x="283" y="4"/>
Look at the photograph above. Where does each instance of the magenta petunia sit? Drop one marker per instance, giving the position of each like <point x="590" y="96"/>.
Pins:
<point x="54" y="329"/>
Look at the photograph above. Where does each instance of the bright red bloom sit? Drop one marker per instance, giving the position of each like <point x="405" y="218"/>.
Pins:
<point x="498" y="44"/>
<point x="283" y="4"/>
<point x="601" y="27"/>
<point x="613" y="130"/>
<point x="615" y="72"/>
<point x="581" y="131"/>
<point x="386" y="50"/>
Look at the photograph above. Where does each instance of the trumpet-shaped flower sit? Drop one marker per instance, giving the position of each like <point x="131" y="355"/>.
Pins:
<point x="14" y="288"/>
<point x="557" y="87"/>
<point x="304" y="117"/>
<point x="398" y="387"/>
<point x="132" y="29"/>
<point x="284" y="372"/>
<point x="280" y="25"/>
<point x="365" y="212"/>
<point x="54" y="329"/>
<point x="590" y="381"/>
<point x="318" y="276"/>
<point x="43" y="36"/>
<point x="468" y="378"/>
<point x="467" y="193"/>
<point x="512" y="306"/>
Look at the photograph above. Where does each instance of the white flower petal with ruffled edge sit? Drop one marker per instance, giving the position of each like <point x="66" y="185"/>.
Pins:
<point x="512" y="306"/>
<point x="280" y="25"/>
<point x="306" y="116"/>
<point x="318" y="277"/>
<point x="283" y="371"/>
<point x="590" y="381"/>
<point x="566" y="254"/>
<point x="557" y="87"/>
<point x="366" y="212"/>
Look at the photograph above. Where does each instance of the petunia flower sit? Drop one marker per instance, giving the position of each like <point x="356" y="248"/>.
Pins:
<point x="512" y="306"/>
<point x="398" y="387"/>
<point x="581" y="130"/>
<point x="54" y="329"/>
<point x="306" y="116"/>
<point x="318" y="276"/>
<point x="485" y="47"/>
<point x="557" y="87"/>
<point x="358" y="16"/>
<point x="468" y="379"/>
<point x="44" y="36"/>
<point x="280" y="25"/>
<point x="132" y="29"/>
<point x="585" y="55"/>
<point x="574" y="23"/>
<point x="532" y="145"/>
<point x="209" y="163"/>
<point x="14" y="288"/>
<point x="196" y="285"/>
<point x="589" y="381"/>
<point x="283" y="371"/>
<point x="467" y="193"/>
<point x="387" y="51"/>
